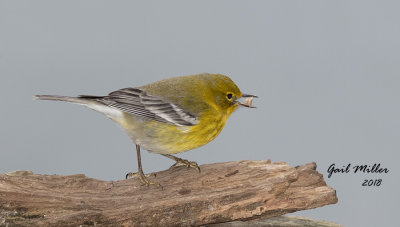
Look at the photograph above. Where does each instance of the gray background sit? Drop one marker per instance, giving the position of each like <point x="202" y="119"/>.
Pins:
<point x="327" y="73"/>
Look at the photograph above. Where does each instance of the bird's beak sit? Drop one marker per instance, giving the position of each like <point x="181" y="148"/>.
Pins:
<point x="248" y="100"/>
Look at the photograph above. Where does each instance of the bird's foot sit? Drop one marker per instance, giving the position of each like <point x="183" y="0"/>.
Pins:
<point x="143" y="178"/>
<point x="184" y="162"/>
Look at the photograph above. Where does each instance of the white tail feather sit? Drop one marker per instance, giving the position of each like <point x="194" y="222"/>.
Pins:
<point x="110" y="112"/>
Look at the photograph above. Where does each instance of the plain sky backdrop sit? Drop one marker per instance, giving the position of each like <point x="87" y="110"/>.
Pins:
<point x="327" y="74"/>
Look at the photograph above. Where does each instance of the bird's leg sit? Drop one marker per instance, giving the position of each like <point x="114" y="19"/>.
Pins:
<point x="179" y="161"/>
<point x="140" y="173"/>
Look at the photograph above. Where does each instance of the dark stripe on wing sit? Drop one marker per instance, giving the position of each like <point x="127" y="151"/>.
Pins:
<point x="136" y="101"/>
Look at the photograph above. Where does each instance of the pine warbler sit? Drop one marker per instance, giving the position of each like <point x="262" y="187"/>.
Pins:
<point x="169" y="116"/>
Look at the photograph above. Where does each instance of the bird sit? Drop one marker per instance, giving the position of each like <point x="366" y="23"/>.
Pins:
<point x="168" y="116"/>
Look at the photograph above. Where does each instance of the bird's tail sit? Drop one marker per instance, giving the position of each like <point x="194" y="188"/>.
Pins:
<point x="78" y="100"/>
<point x="93" y="102"/>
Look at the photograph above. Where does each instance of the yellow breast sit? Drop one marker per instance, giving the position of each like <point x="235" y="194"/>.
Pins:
<point x="163" y="138"/>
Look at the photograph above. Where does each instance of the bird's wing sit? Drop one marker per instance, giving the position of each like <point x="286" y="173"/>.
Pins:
<point x="137" y="102"/>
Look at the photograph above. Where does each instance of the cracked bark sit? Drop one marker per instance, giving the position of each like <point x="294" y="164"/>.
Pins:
<point x="222" y="192"/>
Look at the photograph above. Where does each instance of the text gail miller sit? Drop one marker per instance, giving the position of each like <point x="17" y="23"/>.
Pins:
<point x="375" y="168"/>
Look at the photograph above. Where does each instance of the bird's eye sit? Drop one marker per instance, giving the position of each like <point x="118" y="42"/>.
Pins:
<point x="229" y="96"/>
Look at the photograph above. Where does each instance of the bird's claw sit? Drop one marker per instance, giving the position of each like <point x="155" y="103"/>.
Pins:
<point x="143" y="179"/>
<point x="188" y="164"/>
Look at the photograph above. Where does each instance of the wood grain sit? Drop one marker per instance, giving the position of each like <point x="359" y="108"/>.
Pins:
<point x="222" y="192"/>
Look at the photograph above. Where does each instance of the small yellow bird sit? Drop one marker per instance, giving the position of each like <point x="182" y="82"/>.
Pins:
<point x="169" y="116"/>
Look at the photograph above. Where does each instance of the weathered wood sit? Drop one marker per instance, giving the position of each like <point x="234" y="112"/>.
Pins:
<point x="222" y="192"/>
<point x="281" y="221"/>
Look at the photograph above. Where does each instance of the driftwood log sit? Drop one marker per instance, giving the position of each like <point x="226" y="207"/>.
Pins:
<point x="222" y="192"/>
